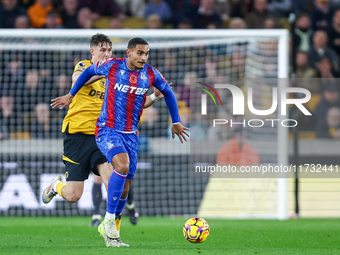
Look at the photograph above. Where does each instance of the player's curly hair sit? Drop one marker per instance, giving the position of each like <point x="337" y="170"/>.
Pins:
<point x="100" y="39"/>
<point x="134" y="41"/>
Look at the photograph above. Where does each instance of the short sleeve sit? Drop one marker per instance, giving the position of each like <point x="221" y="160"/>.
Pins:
<point x="80" y="66"/>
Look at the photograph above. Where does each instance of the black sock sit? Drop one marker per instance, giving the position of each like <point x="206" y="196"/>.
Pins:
<point x="96" y="197"/>
<point x="130" y="196"/>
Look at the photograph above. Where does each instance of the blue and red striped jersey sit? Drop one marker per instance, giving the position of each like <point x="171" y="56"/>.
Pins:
<point x="125" y="93"/>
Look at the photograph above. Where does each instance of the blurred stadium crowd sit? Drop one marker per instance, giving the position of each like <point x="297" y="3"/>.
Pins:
<point x="317" y="43"/>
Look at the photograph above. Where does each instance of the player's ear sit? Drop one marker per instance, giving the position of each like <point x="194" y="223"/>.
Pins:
<point x="128" y="52"/>
<point x="92" y="51"/>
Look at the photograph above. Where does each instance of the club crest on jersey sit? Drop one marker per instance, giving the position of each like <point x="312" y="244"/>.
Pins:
<point x="82" y="64"/>
<point x="102" y="82"/>
<point x="143" y="76"/>
<point x="133" y="79"/>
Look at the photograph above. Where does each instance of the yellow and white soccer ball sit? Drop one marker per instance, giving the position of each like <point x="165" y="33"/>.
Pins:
<point x="196" y="230"/>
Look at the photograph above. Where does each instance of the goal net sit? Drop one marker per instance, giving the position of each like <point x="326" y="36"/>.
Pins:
<point x="37" y="65"/>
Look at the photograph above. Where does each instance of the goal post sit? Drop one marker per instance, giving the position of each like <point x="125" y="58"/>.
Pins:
<point x="37" y="65"/>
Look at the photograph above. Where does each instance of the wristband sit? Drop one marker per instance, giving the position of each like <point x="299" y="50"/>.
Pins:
<point x="154" y="98"/>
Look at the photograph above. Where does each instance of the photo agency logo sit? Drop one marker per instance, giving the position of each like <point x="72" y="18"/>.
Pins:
<point x="238" y="105"/>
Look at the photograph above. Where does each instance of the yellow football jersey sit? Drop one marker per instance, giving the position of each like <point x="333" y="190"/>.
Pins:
<point x="86" y="105"/>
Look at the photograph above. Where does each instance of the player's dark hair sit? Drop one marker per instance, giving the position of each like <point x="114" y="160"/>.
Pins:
<point x="134" y="41"/>
<point x="100" y="39"/>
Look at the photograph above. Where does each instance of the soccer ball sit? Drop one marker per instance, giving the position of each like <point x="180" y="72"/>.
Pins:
<point x="196" y="230"/>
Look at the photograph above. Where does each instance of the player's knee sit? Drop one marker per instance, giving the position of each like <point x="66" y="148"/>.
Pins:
<point x="123" y="168"/>
<point x="74" y="197"/>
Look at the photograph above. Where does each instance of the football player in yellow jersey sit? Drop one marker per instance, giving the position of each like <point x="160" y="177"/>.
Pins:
<point x="81" y="154"/>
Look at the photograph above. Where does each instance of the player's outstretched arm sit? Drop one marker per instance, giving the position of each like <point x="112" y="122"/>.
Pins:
<point x="80" y="82"/>
<point x="63" y="101"/>
<point x="92" y="80"/>
<point x="157" y="94"/>
<point x="177" y="127"/>
<point x="180" y="131"/>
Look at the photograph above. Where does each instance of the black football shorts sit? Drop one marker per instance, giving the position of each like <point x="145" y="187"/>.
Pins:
<point x="81" y="156"/>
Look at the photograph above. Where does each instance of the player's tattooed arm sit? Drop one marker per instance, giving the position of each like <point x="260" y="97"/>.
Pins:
<point x="92" y="80"/>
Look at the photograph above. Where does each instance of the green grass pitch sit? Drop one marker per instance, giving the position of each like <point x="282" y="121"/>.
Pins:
<point x="163" y="235"/>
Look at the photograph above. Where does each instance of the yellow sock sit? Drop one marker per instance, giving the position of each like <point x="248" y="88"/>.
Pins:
<point x="60" y="186"/>
<point x="118" y="221"/>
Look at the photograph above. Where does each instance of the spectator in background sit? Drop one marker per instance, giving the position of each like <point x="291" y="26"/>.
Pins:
<point x="154" y="22"/>
<point x="148" y="125"/>
<point x="303" y="33"/>
<point x="326" y="70"/>
<point x="37" y="13"/>
<point x="9" y="11"/>
<point x="33" y="92"/>
<point x="334" y="33"/>
<point x="240" y="8"/>
<point x="303" y="69"/>
<point x="330" y="98"/>
<point x="61" y="86"/>
<point x="300" y="6"/>
<point x="205" y="14"/>
<point x="159" y="7"/>
<point x="237" y="23"/>
<point x="52" y="19"/>
<point x="212" y="25"/>
<point x="305" y="73"/>
<point x="321" y="50"/>
<point x="14" y="76"/>
<point x="238" y="152"/>
<point x="219" y="132"/>
<point x="333" y="124"/>
<point x="85" y="18"/>
<point x="7" y="117"/>
<point x="102" y="8"/>
<point x="184" y="90"/>
<point x="270" y="23"/>
<point x="280" y="8"/>
<point x="335" y="4"/>
<point x="322" y="15"/>
<point x="43" y="126"/>
<point x="26" y="3"/>
<point x="185" y="24"/>
<point x="21" y="22"/>
<point x="222" y="7"/>
<point x="135" y="8"/>
<point x="258" y="16"/>
<point x="69" y="13"/>
<point x="116" y="23"/>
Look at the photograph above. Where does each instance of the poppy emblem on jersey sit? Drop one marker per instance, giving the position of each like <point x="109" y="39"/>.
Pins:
<point x="133" y="79"/>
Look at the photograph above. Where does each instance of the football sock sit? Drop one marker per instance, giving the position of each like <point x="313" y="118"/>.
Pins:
<point x="118" y="221"/>
<point x="109" y="216"/>
<point x="58" y="187"/>
<point x="115" y="190"/>
<point x="120" y="206"/>
<point x="130" y="196"/>
<point x="96" y="197"/>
